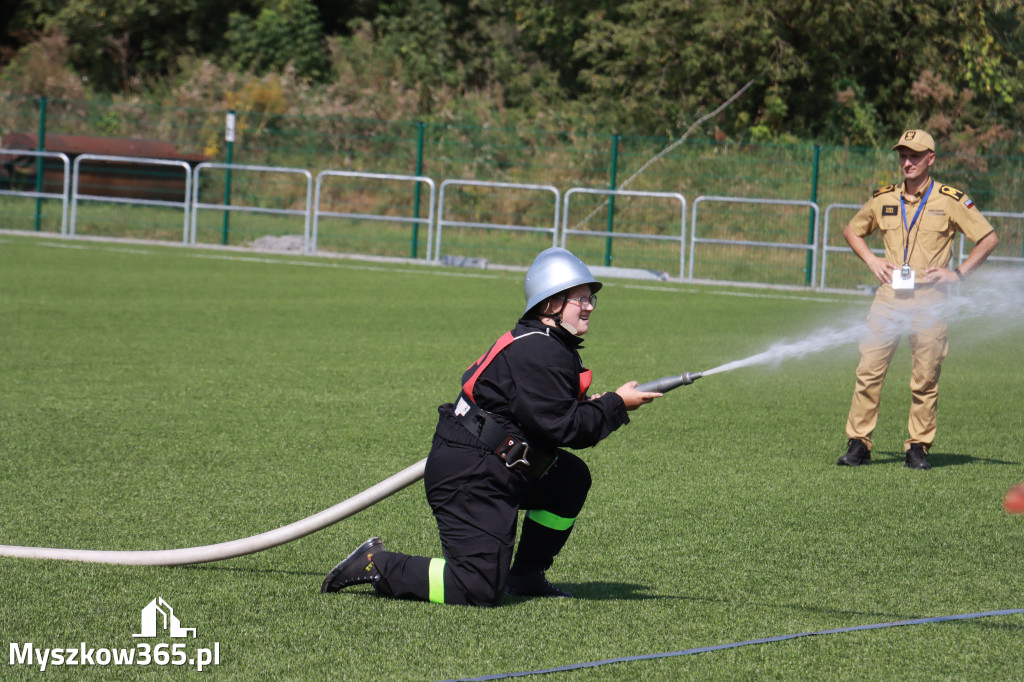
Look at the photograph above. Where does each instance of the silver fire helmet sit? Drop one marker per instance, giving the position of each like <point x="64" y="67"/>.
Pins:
<point x="555" y="270"/>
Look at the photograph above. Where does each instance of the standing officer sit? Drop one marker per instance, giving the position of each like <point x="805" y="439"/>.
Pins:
<point x="919" y="219"/>
<point x="497" y="450"/>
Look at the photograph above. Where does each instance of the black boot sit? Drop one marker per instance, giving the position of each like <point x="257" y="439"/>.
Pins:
<point x="856" y="454"/>
<point x="916" y="458"/>
<point x="532" y="585"/>
<point x="355" y="569"/>
<point x="538" y="546"/>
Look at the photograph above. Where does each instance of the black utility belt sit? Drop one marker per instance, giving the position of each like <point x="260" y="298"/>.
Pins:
<point x="512" y="448"/>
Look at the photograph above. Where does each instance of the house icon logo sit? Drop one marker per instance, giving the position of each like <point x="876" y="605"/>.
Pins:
<point x="167" y="620"/>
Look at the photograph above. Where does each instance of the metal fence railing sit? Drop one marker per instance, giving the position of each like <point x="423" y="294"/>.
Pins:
<point x="573" y="158"/>
<point x="471" y="207"/>
<point x="261" y="203"/>
<point x="506" y="223"/>
<point x="651" y="224"/>
<point x="1010" y="228"/>
<point x="485" y="212"/>
<point x="829" y="244"/>
<point x="373" y="204"/>
<point x="788" y="234"/>
<point x="34" y="186"/>
<point x="133" y="189"/>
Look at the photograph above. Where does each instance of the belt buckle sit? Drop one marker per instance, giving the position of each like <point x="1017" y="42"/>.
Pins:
<point x="514" y="451"/>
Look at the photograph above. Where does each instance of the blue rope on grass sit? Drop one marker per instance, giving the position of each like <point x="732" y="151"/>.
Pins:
<point x="733" y="645"/>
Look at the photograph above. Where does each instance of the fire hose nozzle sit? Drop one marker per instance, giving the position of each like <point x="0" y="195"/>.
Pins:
<point x="666" y="384"/>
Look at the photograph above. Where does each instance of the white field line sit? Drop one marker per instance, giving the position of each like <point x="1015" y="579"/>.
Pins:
<point x="235" y="254"/>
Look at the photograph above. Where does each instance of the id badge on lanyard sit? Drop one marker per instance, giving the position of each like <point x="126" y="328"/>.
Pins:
<point x="904" y="278"/>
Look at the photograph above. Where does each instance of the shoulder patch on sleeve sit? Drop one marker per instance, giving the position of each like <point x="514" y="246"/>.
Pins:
<point x="956" y="194"/>
<point x="884" y="190"/>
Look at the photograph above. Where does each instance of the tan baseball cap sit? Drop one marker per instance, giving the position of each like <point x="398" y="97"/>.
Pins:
<point x="916" y="140"/>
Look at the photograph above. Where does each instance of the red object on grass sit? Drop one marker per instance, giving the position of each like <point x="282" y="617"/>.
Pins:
<point x="1014" y="500"/>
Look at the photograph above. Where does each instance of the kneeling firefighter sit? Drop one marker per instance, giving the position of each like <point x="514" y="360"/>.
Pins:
<point x="496" y="450"/>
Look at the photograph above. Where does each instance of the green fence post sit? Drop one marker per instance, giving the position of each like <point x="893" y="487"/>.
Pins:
<point x="613" y="172"/>
<point x="41" y="145"/>
<point x="416" y="195"/>
<point x="810" y="222"/>
<point x="229" y="136"/>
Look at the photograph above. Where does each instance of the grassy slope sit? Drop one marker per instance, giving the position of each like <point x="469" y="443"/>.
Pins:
<point x="156" y="397"/>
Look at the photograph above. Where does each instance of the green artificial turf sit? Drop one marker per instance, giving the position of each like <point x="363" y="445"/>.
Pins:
<point x="154" y="397"/>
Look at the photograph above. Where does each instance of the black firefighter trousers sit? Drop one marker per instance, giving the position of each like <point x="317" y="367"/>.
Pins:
<point x="476" y="500"/>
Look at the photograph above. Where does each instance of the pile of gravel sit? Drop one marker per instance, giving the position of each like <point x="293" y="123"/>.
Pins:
<point x="288" y="242"/>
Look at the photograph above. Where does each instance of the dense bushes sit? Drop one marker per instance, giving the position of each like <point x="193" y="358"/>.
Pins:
<point x="839" y="73"/>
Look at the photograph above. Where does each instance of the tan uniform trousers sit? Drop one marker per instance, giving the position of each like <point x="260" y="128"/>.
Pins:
<point x="894" y="314"/>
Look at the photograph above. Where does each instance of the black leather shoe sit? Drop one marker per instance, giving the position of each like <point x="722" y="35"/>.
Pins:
<point x="532" y="585"/>
<point x="355" y="569"/>
<point x="916" y="458"/>
<point x="856" y="454"/>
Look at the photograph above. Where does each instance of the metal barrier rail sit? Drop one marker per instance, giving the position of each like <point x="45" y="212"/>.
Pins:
<point x="63" y="196"/>
<point x="441" y="222"/>
<point x="435" y="220"/>
<point x="417" y="179"/>
<point x="811" y="248"/>
<point x="305" y="213"/>
<point x="841" y="249"/>
<point x="962" y="255"/>
<point x="134" y="160"/>
<point x="566" y="230"/>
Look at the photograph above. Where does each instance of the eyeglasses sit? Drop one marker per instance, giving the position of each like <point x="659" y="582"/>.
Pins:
<point x="592" y="300"/>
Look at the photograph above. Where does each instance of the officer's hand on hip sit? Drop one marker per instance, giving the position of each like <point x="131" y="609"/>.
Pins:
<point x="940" y="276"/>
<point x="882" y="269"/>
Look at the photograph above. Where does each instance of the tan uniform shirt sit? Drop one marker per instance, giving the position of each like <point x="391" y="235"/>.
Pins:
<point x="929" y="242"/>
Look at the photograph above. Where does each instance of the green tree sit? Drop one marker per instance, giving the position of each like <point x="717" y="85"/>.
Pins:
<point x="120" y="45"/>
<point x="836" y="71"/>
<point x="469" y="46"/>
<point x="549" y="30"/>
<point x="284" y="32"/>
<point x="840" y="71"/>
<point x="653" y="63"/>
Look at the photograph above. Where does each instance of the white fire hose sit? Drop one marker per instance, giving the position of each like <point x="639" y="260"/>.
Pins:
<point x="234" y="548"/>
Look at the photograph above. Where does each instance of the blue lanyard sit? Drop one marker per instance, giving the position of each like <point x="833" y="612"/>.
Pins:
<point x="917" y="214"/>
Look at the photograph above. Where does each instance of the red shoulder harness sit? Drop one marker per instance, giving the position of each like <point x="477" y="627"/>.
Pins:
<point x="506" y="339"/>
